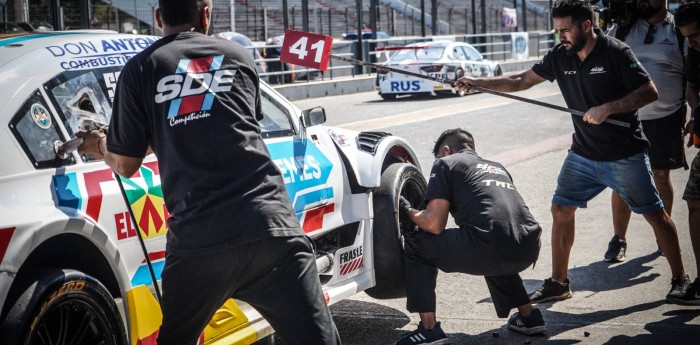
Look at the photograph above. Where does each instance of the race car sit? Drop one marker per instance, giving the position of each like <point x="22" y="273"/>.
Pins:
<point x="441" y="59"/>
<point x="80" y="250"/>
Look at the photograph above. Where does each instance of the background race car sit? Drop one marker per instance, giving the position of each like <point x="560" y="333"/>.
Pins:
<point x="71" y="261"/>
<point x="442" y="59"/>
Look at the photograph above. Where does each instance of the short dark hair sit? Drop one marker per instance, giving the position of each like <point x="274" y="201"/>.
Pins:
<point x="178" y="12"/>
<point x="578" y="10"/>
<point x="456" y="139"/>
<point x="687" y="13"/>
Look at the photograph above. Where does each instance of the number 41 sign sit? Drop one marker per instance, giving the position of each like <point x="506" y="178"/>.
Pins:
<point x="306" y="49"/>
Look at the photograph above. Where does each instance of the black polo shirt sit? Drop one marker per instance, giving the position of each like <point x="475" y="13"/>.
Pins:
<point x="484" y="201"/>
<point x="609" y="72"/>
<point x="692" y="65"/>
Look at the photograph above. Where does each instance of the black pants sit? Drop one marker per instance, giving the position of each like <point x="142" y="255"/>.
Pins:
<point x="456" y="250"/>
<point x="277" y="276"/>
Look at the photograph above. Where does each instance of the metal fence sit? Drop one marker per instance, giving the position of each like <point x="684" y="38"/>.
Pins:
<point x="493" y="46"/>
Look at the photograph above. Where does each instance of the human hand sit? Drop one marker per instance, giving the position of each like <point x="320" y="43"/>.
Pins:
<point x="404" y="206"/>
<point x="464" y="84"/>
<point x="91" y="143"/>
<point x="596" y="115"/>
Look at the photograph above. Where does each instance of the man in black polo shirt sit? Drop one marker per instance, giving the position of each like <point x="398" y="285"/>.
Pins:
<point x="195" y="100"/>
<point x="497" y="237"/>
<point x="599" y="75"/>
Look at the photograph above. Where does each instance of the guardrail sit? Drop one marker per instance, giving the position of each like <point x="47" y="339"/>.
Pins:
<point x="494" y="46"/>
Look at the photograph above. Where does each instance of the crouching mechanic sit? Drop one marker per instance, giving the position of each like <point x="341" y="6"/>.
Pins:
<point x="497" y="237"/>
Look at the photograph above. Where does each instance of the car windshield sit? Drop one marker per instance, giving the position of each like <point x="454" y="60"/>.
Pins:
<point x="427" y="53"/>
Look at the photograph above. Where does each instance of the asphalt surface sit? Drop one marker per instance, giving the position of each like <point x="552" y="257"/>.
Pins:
<point x="613" y="303"/>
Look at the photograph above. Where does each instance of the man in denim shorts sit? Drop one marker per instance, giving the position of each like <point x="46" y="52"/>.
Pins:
<point x="601" y="76"/>
<point x="688" y="21"/>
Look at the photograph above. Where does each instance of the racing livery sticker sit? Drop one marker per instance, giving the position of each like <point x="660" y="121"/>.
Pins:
<point x="145" y="198"/>
<point x="94" y="54"/>
<point x="41" y="116"/>
<point x="5" y="237"/>
<point x="305" y="170"/>
<point x="350" y="260"/>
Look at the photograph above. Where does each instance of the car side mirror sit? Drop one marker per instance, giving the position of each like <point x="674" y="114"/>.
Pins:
<point x="314" y="116"/>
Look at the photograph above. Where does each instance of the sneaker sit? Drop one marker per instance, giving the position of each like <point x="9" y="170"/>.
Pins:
<point x="433" y="336"/>
<point x="532" y="324"/>
<point x="679" y="287"/>
<point x="551" y="291"/>
<point x="691" y="295"/>
<point x="617" y="250"/>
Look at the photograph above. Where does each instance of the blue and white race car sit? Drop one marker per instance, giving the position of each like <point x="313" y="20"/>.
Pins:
<point x="71" y="261"/>
<point x="441" y="59"/>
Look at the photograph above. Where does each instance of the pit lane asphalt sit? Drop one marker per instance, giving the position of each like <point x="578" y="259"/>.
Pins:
<point x="612" y="304"/>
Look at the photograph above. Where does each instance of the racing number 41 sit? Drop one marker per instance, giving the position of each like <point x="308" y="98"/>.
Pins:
<point x="298" y="44"/>
<point x="299" y="48"/>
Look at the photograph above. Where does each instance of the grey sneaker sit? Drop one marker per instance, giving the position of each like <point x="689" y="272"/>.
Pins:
<point x="532" y="324"/>
<point x="690" y="296"/>
<point x="617" y="250"/>
<point x="679" y="287"/>
<point x="551" y="291"/>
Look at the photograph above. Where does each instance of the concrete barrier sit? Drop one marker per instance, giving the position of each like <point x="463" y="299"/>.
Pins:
<point x="364" y="83"/>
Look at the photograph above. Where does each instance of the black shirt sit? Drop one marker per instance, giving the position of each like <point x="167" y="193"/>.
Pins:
<point x="484" y="201"/>
<point x="196" y="101"/>
<point x="609" y="72"/>
<point x="692" y="65"/>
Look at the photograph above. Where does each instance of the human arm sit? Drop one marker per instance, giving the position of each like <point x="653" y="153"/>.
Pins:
<point x="95" y="145"/>
<point x="434" y="218"/>
<point x="641" y="96"/>
<point x="506" y="83"/>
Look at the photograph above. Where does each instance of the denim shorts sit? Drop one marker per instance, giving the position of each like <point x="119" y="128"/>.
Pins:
<point x="581" y="179"/>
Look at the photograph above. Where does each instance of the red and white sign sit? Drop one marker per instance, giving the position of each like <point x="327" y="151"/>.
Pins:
<point x="306" y="49"/>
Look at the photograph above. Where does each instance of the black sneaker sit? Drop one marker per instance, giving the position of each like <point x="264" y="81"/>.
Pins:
<point x="433" y="336"/>
<point x="617" y="250"/>
<point x="691" y="295"/>
<point x="551" y="291"/>
<point x="532" y="324"/>
<point x="679" y="287"/>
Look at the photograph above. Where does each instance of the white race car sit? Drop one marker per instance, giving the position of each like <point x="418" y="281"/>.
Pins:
<point x="441" y="59"/>
<point x="72" y="263"/>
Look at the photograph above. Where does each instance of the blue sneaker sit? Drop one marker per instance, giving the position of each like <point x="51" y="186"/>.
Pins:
<point x="424" y="336"/>
<point x="532" y="324"/>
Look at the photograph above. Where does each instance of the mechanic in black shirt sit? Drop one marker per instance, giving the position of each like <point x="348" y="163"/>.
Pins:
<point x="601" y="76"/>
<point x="195" y="100"/>
<point x="497" y="237"/>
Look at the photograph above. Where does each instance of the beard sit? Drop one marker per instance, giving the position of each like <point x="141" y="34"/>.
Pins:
<point x="578" y="44"/>
<point x="645" y="10"/>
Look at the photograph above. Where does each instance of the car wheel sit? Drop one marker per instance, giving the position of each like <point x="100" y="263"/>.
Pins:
<point x="498" y="71"/>
<point x="62" y="307"/>
<point x="399" y="179"/>
<point x="388" y="96"/>
<point x="460" y="74"/>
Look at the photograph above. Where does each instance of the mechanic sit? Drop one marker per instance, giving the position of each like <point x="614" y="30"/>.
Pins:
<point x="602" y="76"/>
<point x="497" y="237"/>
<point x="233" y="233"/>
<point x="658" y="45"/>
<point x="688" y="21"/>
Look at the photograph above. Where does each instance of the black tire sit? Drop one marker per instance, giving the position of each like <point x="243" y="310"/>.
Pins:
<point x="388" y="96"/>
<point x="460" y="74"/>
<point x="399" y="179"/>
<point x="62" y="307"/>
<point x="498" y="71"/>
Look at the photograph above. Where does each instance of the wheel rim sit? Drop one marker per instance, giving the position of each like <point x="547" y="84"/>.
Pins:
<point x="412" y="190"/>
<point x="72" y="321"/>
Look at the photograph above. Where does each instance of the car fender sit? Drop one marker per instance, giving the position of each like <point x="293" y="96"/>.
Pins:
<point x="367" y="153"/>
<point x="37" y="225"/>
